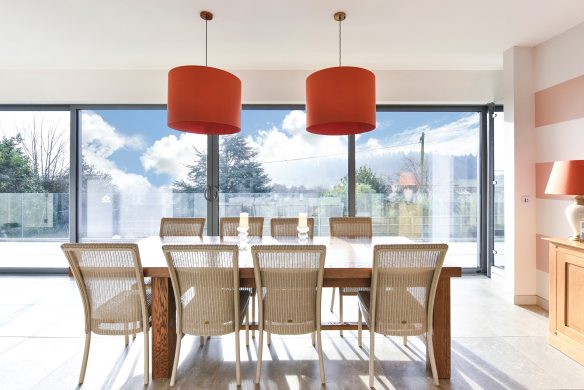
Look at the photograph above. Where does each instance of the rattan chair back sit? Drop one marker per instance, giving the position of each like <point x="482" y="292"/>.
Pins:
<point x="403" y="287"/>
<point x="290" y="280"/>
<point x="351" y="227"/>
<point x="205" y="279"/>
<point x="182" y="227"/>
<point x="287" y="227"/>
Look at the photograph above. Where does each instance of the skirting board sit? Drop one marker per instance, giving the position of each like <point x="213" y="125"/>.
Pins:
<point x="525" y="299"/>
<point x="543" y="303"/>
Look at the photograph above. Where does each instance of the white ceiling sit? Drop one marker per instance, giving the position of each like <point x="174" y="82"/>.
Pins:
<point x="275" y="34"/>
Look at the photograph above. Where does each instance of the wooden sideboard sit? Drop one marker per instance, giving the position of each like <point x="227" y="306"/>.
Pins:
<point x="566" y="311"/>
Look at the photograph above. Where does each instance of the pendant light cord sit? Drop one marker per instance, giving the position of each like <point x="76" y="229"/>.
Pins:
<point x="340" y="37"/>
<point x="206" y="21"/>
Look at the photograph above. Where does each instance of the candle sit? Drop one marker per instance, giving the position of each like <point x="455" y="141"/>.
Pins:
<point x="243" y="220"/>
<point x="302" y="220"/>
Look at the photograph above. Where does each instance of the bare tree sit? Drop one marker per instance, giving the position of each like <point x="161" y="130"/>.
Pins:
<point x="46" y="147"/>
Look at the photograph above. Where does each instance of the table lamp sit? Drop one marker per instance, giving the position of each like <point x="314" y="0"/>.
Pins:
<point x="567" y="178"/>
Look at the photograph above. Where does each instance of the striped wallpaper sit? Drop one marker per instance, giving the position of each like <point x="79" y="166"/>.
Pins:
<point x="559" y="133"/>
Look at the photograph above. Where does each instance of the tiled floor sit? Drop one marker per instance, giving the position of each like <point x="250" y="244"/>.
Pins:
<point x="496" y="345"/>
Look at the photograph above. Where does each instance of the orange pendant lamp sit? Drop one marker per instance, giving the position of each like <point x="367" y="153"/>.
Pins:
<point x="340" y="100"/>
<point x="202" y="99"/>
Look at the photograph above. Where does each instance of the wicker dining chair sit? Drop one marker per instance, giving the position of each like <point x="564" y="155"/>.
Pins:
<point x="205" y="279"/>
<point x="290" y="280"/>
<point x="401" y="299"/>
<point x="182" y="227"/>
<point x="228" y="227"/>
<point x="111" y="283"/>
<point x="348" y="227"/>
<point x="287" y="227"/>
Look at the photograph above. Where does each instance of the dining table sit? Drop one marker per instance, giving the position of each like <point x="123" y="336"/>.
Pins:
<point x="348" y="263"/>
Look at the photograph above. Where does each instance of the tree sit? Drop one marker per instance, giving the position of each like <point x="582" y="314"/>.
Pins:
<point x="47" y="151"/>
<point x="366" y="176"/>
<point x="239" y="172"/>
<point x="16" y="171"/>
<point x="366" y="182"/>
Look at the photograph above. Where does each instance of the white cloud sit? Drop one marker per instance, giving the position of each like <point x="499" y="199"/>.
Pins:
<point x="101" y="138"/>
<point x="456" y="139"/>
<point x="290" y="155"/>
<point x="171" y="155"/>
<point x="100" y="141"/>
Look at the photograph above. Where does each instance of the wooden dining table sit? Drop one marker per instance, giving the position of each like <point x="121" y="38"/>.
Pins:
<point x="348" y="264"/>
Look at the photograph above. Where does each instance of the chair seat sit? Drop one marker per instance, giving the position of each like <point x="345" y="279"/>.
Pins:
<point x="212" y="326"/>
<point x="120" y="314"/>
<point x="404" y="323"/>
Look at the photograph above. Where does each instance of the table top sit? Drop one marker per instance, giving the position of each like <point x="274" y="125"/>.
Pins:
<point x="353" y="255"/>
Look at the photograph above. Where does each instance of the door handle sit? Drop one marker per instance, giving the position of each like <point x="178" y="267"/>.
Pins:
<point x="211" y="193"/>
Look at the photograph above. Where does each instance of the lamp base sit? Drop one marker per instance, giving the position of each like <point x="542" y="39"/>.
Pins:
<point x="575" y="214"/>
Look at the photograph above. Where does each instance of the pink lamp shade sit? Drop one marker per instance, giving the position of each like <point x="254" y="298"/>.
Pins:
<point x="566" y="178"/>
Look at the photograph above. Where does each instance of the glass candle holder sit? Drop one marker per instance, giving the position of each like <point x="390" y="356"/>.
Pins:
<point x="302" y="233"/>
<point x="242" y="236"/>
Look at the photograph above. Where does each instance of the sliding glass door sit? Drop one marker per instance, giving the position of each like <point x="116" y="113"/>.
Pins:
<point x="417" y="176"/>
<point x="34" y="188"/>
<point x="134" y="171"/>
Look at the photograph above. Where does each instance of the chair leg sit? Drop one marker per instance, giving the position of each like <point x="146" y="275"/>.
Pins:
<point x="341" y="309"/>
<point x="320" y="358"/>
<point x="237" y="361"/>
<point x="146" y="357"/>
<point x="176" y="357"/>
<point x="371" y="358"/>
<point x="126" y="334"/>
<point x="430" y="346"/>
<point x="260" y="350"/>
<point x="247" y="328"/>
<point x="333" y="299"/>
<point x="85" y="356"/>
<point x="133" y="331"/>
<point x="269" y="338"/>
<point x="405" y="341"/>
<point x="312" y="336"/>
<point x="202" y="341"/>
<point x="253" y="304"/>
<point x="359" y="327"/>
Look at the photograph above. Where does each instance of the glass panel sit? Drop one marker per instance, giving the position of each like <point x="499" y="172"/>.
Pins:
<point x="34" y="188"/>
<point x="275" y="168"/>
<point x="136" y="170"/>
<point x="417" y="176"/>
<point x="499" y="209"/>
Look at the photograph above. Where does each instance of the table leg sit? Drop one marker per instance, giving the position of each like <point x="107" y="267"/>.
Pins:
<point x="163" y="327"/>
<point x="442" y="328"/>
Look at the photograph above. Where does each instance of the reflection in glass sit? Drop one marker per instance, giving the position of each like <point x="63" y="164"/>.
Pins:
<point x="417" y="176"/>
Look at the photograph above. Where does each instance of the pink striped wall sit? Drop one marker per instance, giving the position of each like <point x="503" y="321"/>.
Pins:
<point x="556" y="108"/>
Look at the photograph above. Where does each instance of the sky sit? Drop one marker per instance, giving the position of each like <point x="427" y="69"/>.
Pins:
<point x="140" y="152"/>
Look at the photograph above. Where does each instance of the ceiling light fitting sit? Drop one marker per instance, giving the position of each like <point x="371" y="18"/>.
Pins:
<point x="203" y="99"/>
<point x="340" y="100"/>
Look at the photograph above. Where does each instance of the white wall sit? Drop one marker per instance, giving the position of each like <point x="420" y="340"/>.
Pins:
<point x="260" y="87"/>
<point x="520" y="272"/>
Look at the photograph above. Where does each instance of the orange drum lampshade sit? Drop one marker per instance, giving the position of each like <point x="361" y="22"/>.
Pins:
<point x="340" y="101"/>
<point x="204" y="100"/>
<point x="566" y="178"/>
